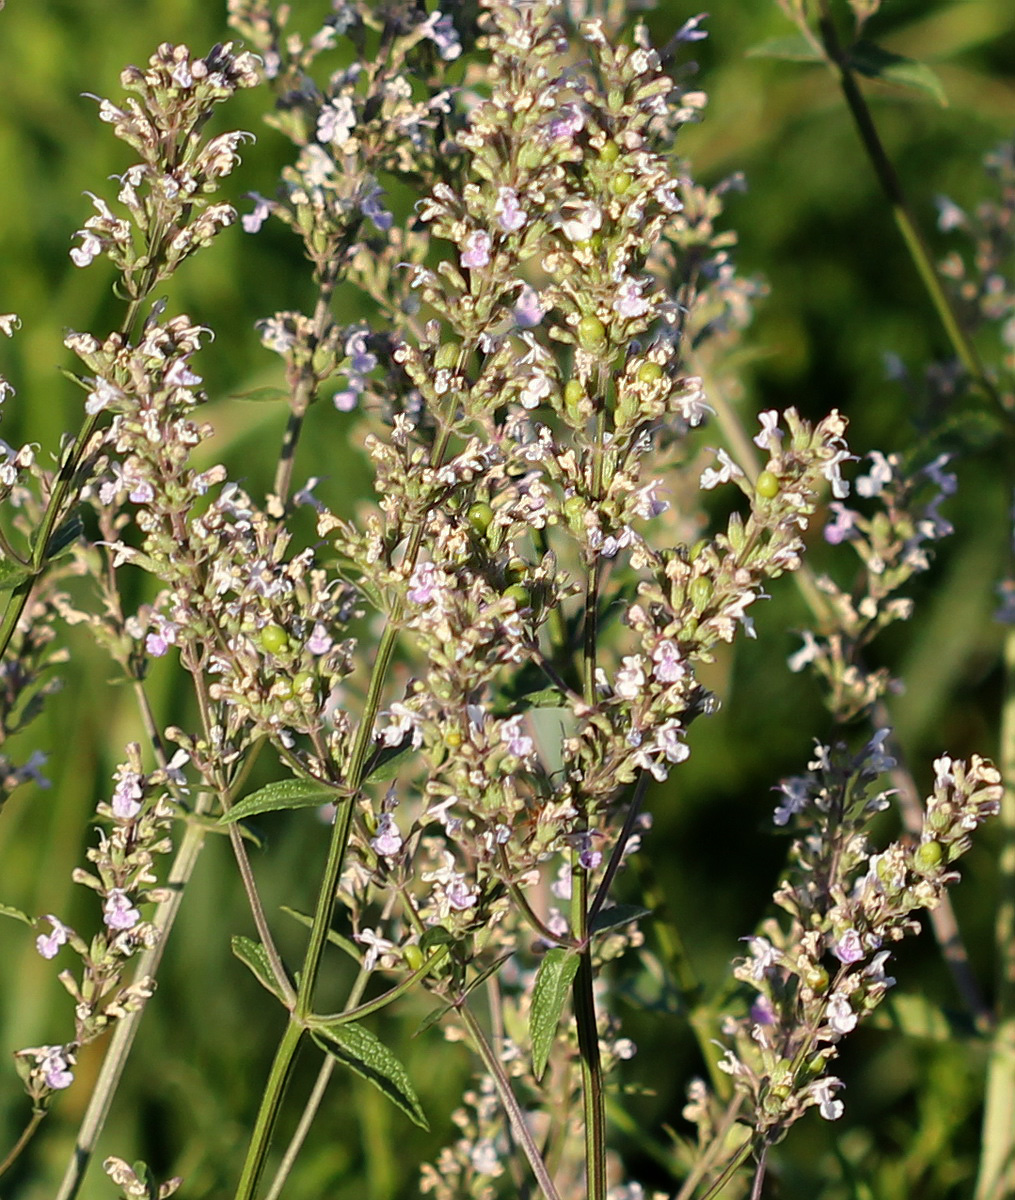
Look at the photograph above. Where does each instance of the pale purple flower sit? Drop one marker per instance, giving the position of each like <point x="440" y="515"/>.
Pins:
<point x="668" y="665"/>
<point x="769" y="430"/>
<point x="510" y="215"/>
<point x="370" y="206"/>
<point x="568" y="120"/>
<point x="161" y="636"/>
<point x="630" y="302"/>
<point x="848" y="949"/>
<point x="646" y="504"/>
<point x="48" y="944"/>
<point x="127" y="795"/>
<point x="830" y="1108"/>
<point x="797" y="798"/>
<point x="588" y="857"/>
<point x="319" y="641"/>
<point x="528" y="310"/>
<point x="263" y="208"/>
<point x="712" y="476"/>
<point x="841" y="1018"/>
<point x="377" y="947"/>
<point x="689" y="31"/>
<point x="439" y="28"/>
<point x="949" y="215"/>
<point x="477" y="249"/>
<point x="875" y="969"/>
<point x="336" y="121"/>
<point x="102" y="395"/>
<point x="423" y="584"/>
<point x="55" y="1066"/>
<point x="764" y="956"/>
<point x="668" y="740"/>
<point x="517" y="742"/>
<point x="118" y="912"/>
<point x="88" y="251"/>
<point x="838" y="531"/>
<point x="388" y="840"/>
<point x="761" y="1011"/>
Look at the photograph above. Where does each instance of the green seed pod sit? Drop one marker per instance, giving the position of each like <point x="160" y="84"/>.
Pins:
<point x="592" y="335"/>
<point x="479" y="517"/>
<point x="574" y="393"/>
<point x="452" y="739"/>
<point x="767" y="485"/>
<point x="928" y="856"/>
<point x="610" y="152"/>
<point x="413" y="956"/>
<point x="817" y="978"/>
<point x="650" y="372"/>
<point x="701" y="591"/>
<point x="273" y="639"/>
<point x="518" y="594"/>
<point x="446" y="357"/>
<point x="621" y="183"/>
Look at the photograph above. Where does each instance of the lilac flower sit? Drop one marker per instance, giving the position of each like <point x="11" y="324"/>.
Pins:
<point x="88" y="251"/>
<point x="712" y="476"/>
<point x="668" y="664"/>
<point x="689" y="31"/>
<point x="579" y="219"/>
<point x="118" y="912"/>
<point x="423" y="584"/>
<point x="263" y="208"/>
<point x="630" y="679"/>
<point x="518" y="743"/>
<point x="439" y="28"/>
<point x="837" y="531"/>
<point x="48" y="944"/>
<point x="128" y="794"/>
<point x="841" y="1018"/>
<point x="336" y="121"/>
<point x="510" y="215"/>
<point x="630" y="302"/>
<point x="764" y="954"/>
<point x="377" y="947"/>
<point x="477" y="249"/>
<point x="388" y="840"/>
<point x="55" y="1065"/>
<point x="770" y="431"/>
<point x="797" y="798"/>
<point x="370" y="206"/>
<point x="848" y="949"/>
<point x="528" y="310"/>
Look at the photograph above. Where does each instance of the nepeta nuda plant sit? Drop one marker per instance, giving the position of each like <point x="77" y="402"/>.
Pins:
<point x="483" y="673"/>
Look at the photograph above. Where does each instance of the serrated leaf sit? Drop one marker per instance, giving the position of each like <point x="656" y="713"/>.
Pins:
<point x="877" y="63"/>
<point x="260" y="395"/>
<point x="435" y="936"/>
<point x="793" y="47"/>
<point x="553" y="981"/>
<point x="368" y="1056"/>
<point x="6" y="910"/>
<point x="253" y="955"/>
<point x="619" y="914"/>
<point x="273" y="797"/>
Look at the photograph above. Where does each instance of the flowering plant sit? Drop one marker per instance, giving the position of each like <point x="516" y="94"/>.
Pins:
<point x="482" y="679"/>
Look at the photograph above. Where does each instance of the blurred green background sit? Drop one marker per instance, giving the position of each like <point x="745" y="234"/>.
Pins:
<point x="843" y="293"/>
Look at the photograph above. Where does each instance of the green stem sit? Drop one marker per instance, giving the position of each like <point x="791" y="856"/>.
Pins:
<point x="26" y="1136"/>
<point x="901" y="210"/>
<point x="515" y="1115"/>
<point x="996" y="1178"/>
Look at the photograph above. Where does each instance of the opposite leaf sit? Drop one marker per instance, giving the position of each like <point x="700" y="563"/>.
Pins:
<point x="367" y="1055"/>
<point x="877" y="63"/>
<point x="556" y="973"/>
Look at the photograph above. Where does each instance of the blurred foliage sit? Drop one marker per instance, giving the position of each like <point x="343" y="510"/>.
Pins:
<point x="842" y="294"/>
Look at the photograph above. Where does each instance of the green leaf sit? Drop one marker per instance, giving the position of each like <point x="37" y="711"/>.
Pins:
<point x="556" y="972"/>
<point x="12" y="574"/>
<point x="389" y="762"/>
<point x="550" y="697"/>
<point x="260" y="395"/>
<point x="16" y="914"/>
<point x="285" y="793"/>
<point x="794" y="47"/>
<point x="64" y="535"/>
<point x="432" y="1017"/>
<point x="877" y="63"/>
<point x="619" y="914"/>
<point x="253" y="955"/>
<point x="367" y="1055"/>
